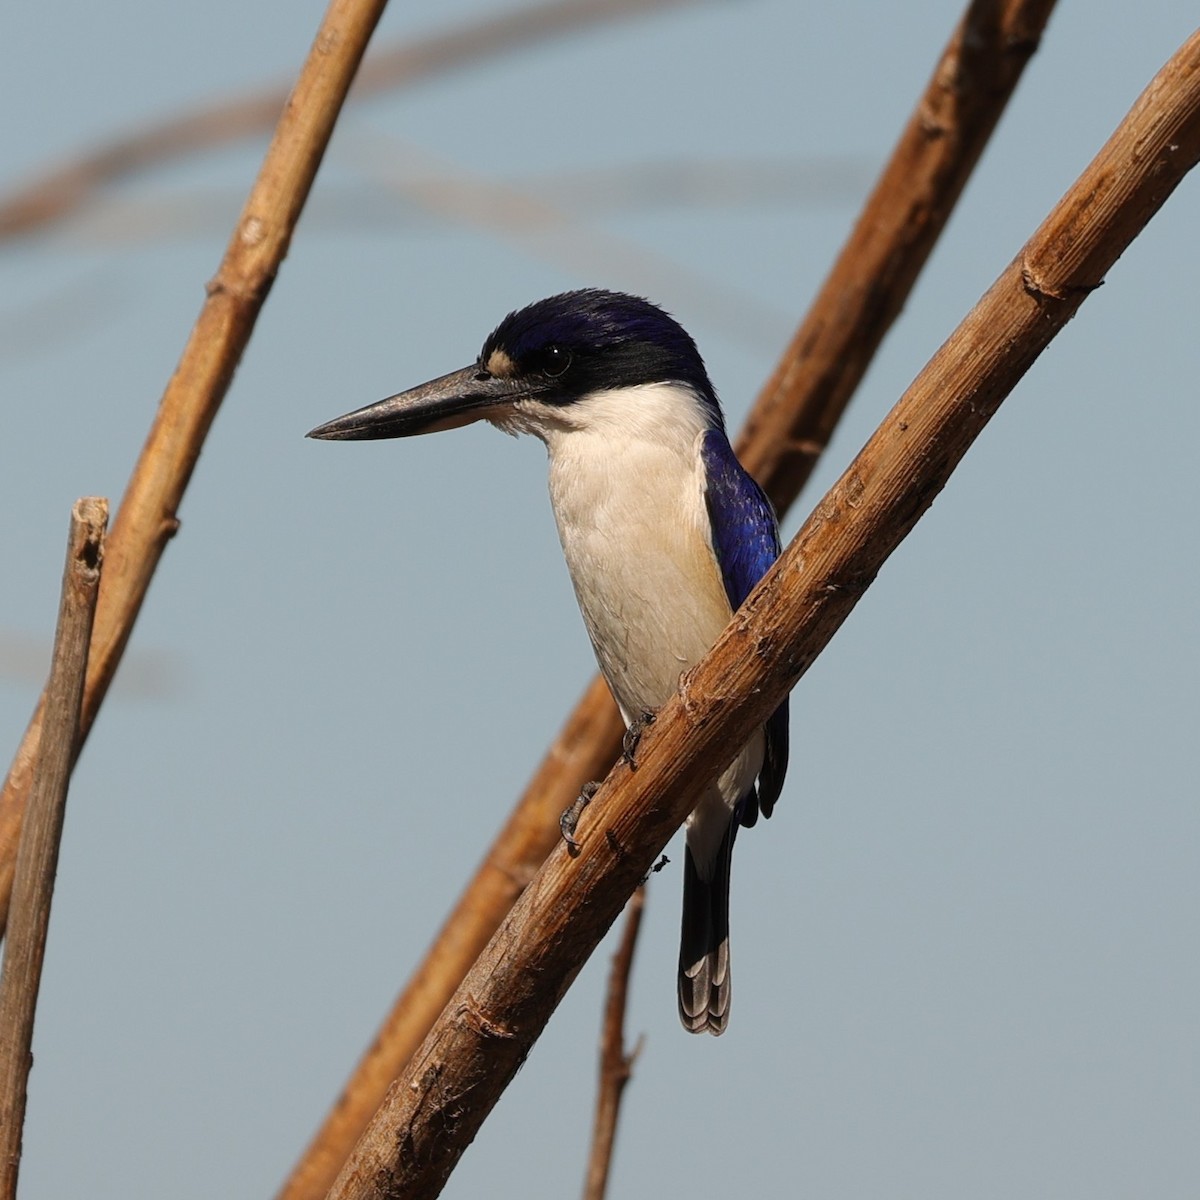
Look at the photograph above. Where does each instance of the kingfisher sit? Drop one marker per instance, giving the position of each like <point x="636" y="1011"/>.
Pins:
<point x="664" y="534"/>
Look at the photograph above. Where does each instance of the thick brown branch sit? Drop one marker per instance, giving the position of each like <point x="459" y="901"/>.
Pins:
<point x="616" y="1066"/>
<point x="66" y="188"/>
<point x="146" y="520"/>
<point x="37" y="859"/>
<point x="866" y="289"/>
<point x="802" y="402"/>
<point x="491" y="1022"/>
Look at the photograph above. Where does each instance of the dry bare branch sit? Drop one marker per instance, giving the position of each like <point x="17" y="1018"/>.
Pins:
<point x="476" y="1046"/>
<point x="146" y="519"/>
<point x="37" y="859"/>
<point x="790" y="182"/>
<point x="874" y="272"/>
<point x="66" y="188"/>
<point x="796" y="412"/>
<point x="616" y="1066"/>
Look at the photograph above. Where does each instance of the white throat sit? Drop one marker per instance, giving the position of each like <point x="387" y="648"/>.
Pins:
<point x="616" y="419"/>
<point x="627" y="488"/>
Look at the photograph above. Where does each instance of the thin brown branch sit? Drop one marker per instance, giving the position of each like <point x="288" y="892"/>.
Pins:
<point x="146" y="520"/>
<point x="877" y="269"/>
<point x="66" y="188"/>
<point x="616" y="1066"/>
<point x="488" y="1028"/>
<point x="37" y="858"/>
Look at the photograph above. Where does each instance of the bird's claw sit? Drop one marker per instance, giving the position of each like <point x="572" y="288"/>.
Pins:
<point x="569" y="821"/>
<point x="633" y="735"/>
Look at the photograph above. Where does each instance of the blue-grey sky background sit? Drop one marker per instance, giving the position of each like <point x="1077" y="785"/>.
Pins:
<point x="964" y="948"/>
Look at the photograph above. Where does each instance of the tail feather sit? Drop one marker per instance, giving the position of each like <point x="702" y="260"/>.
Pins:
<point x="704" y="982"/>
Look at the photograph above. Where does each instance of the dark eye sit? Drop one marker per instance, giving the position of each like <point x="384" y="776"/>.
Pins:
<point x="555" y="360"/>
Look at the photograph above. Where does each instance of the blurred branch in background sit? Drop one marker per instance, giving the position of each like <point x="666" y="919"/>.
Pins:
<point x="867" y="287"/>
<point x="616" y="1066"/>
<point x="543" y="230"/>
<point x="490" y="1024"/>
<point x="41" y="835"/>
<point x="146" y="674"/>
<point x="67" y="187"/>
<point x="146" y="519"/>
<point x="405" y="191"/>
<point x="784" y="182"/>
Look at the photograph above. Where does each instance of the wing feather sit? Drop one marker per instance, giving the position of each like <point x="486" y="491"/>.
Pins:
<point x="746" y="542"/>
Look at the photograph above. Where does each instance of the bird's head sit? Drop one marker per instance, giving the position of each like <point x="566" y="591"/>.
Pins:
<point x="547" y="366"/>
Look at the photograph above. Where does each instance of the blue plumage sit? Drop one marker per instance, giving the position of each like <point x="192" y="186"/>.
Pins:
<point x="746" y="543"/>
<point x="745" y="537"/>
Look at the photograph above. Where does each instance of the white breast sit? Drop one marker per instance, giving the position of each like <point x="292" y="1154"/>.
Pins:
<point x="627" y="487"/>
<point x="628" y="494"/>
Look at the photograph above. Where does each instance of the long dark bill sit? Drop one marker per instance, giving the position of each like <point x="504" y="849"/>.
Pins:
<point x="444" y="403"/>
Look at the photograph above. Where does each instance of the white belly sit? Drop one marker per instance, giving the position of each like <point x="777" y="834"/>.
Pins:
<point x="627" y="487"/>
<point x="634" y="534"/>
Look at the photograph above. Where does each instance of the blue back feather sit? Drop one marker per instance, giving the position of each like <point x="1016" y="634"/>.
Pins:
<point x="746" y="543"/>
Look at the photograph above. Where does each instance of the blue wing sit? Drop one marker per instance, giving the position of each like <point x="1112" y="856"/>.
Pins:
<point x="746" y="542"/>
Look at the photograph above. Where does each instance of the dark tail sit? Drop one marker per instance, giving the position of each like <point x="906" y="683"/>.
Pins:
<point x="704" y="983"/>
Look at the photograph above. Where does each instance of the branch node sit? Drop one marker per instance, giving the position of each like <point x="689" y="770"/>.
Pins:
<point x="1043" y="291"/>
<point x="634" y="1054"/>
<point x="471" y="1015"/>
<point x="853" y="488"/>
<point x="91" y="554"/>
<point x="615" y="846"/>
<point x="932" y="125"/>
<point x="252" y="231"/>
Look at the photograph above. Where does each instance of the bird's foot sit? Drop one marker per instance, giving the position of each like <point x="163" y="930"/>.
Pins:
<point x="569" y="821"/>
<point x="633" y="735"/>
